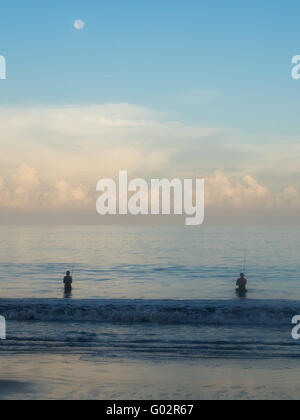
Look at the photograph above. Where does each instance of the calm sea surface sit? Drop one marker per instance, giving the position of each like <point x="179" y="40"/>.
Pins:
<point x="149" y="263"/>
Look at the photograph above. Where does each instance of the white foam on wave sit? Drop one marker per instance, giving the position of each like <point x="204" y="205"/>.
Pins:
<point x="247" y="312"/>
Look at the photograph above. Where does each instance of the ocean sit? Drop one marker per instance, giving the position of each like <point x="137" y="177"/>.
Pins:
<point x="156" y="297"/>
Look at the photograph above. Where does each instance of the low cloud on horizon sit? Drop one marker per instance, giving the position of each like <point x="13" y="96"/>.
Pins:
<point x="52" y="158"/>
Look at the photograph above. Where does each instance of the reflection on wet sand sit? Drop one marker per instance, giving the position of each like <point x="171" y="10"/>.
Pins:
<point x="14" y="388"/>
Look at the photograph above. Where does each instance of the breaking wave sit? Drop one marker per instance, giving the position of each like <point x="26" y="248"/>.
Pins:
<point x="231" y="313"/>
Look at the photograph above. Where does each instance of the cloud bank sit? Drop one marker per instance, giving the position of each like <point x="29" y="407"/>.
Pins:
<point x="52" y="157"/>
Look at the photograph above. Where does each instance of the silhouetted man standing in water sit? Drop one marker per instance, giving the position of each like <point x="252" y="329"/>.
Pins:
<point x="241" y="284"/>
<point x="68" y="281"/>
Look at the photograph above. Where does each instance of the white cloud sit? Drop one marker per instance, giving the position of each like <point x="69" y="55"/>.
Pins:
<point x="52" y="157"/>
<point x="24" y="191"/>
<point x="87" y="142"/>
<point x="246" y="193"/>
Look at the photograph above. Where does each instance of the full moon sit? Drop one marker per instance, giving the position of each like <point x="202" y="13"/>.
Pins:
<point x="79" y="24"/>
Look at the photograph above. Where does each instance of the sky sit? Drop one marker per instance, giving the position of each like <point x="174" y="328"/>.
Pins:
<point x="161" y="88"/>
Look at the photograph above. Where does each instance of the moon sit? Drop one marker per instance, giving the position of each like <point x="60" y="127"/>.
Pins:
<point x="79" y="24"/>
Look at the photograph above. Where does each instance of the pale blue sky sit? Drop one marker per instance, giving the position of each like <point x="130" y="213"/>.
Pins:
<point x="216" y="62"/>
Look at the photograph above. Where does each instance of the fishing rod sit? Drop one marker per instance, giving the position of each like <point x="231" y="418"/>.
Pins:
<point x="73" y="269"/>
<point x="244" y="266"/>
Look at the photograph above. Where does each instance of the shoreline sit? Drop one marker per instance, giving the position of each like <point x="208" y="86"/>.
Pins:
<point x="82" y="377"/>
